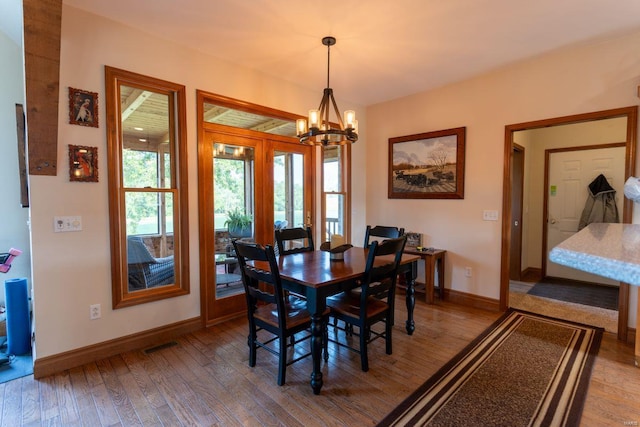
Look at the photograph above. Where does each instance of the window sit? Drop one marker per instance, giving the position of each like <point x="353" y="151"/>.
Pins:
<point x="335" y="196"/>
<point x="147" y="187"/>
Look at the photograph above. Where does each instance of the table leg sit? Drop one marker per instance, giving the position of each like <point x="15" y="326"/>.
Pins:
<point x="441" y="276"/>
<point x="317" y="327"/>
<point x="410" y="297"/>
<point x="429" y="264"/>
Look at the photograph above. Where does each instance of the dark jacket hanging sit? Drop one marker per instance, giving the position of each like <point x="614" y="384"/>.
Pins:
<point x="601" y="203"/>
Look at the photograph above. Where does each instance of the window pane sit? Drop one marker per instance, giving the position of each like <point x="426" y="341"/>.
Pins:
<point x="140" y="169"/>
<point x="332" y="170"/>
<point x="233" y="182"/>
<point x="334" y="215"/>
<point x="149" y="247"/>
<point x="145" y="134"/>
<point x="288" y="189"/>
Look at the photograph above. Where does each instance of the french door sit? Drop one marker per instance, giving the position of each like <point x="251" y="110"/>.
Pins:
<point x="248" y="185"/>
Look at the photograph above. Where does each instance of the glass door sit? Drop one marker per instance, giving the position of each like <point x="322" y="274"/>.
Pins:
<point x="292" y="187"/>
<point x="248" y="186"/>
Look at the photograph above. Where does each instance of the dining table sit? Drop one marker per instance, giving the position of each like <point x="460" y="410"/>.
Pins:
<point x="316" y="276"/>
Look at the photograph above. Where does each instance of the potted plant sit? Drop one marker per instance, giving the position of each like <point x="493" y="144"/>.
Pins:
<point x="238" y="223"/>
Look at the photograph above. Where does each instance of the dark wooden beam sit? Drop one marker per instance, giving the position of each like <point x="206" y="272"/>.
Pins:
<point x="42" y="28"/>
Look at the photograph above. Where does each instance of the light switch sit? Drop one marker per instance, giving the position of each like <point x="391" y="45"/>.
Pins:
<point x="490" y="215"/>
<point x="63" y="224"/>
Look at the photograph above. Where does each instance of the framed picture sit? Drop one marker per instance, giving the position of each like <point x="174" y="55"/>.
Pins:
<point x="427" y="165"/>
<point x="83" y="107"/>
<point x="83" y="163"/>
<point x="414" y="240"/>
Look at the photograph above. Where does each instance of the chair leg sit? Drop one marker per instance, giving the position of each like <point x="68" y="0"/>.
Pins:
<point x="282" y="360"/>
<point x="251" y="341"/>
<point x="387" y="337"/>
<point x="364" y="356"/>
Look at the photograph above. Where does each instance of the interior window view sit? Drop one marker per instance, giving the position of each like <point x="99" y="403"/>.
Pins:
<point x="319" y="213"/>
<point x="146" y="175"/>
<point x="234" y="198"/>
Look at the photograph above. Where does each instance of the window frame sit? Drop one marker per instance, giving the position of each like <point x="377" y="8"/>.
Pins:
<point x="121" y="295"/>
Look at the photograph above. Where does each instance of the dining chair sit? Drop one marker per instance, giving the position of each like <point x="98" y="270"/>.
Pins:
<point x="294" y="240"/>
<point x="374" y="303"/>
<point x="381" y="231"/>
<point x="267" y="308"/>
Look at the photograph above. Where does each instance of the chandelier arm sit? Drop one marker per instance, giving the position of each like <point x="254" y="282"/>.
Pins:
<point x="335" y="109"/>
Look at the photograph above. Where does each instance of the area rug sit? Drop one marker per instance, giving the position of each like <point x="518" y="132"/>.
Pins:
<point x="524" y="370"/>
<point x="577" y="292"/>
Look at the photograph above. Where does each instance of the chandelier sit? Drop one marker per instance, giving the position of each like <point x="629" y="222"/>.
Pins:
<point x="319" y="131"/>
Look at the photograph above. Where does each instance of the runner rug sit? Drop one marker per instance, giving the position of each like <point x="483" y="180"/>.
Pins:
<point x="525" y="369"/>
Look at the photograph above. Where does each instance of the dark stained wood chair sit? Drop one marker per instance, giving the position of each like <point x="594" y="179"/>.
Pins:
<point x="294" y="240"/>
<point x="375" y="301"/>
<point x="268" y="309"/>
<point x="381" y="231"/>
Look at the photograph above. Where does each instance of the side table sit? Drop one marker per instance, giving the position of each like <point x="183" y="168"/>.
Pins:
<point x="433" y="261"/>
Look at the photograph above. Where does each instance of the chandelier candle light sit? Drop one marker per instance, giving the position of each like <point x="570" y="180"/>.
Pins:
<point x="319" y="130"/>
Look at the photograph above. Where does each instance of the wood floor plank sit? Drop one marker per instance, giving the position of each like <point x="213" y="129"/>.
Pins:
<point x="206" y="380"/>
<point x="49" y="400"/>
<point x="66" y="401"/>
<point x="118" y="394"/>
<point x="30" y="401"/>
<point x="12" y="407"/>
<point x="83" y="398"/>
<point x="140" y="367"/>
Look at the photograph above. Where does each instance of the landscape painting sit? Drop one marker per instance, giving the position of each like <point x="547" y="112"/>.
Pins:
<point x="428" y="165"/>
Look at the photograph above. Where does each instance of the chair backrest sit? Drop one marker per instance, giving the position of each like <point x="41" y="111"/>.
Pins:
<point x="252" y="277"/>
<point x="380" y="276"/>
<point x="302" y="236"/>
<point x="137" y="251"/>
<point x="382" y="231"/>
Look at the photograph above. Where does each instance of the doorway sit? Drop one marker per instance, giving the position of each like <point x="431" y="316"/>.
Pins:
<point x="249" y="183"/>
<point x="532" y="221"/>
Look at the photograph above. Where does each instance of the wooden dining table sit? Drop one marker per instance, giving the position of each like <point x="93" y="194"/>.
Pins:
<point x="316" y="276"/>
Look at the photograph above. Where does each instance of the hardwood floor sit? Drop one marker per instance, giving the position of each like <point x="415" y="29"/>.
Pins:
<point x="205" y="380"/>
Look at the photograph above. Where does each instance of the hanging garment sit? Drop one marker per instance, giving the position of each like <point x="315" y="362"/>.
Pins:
<point x="601" y="203"/>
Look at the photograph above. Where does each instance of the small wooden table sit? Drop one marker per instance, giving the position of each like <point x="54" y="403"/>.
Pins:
<point x="433" y="258"/>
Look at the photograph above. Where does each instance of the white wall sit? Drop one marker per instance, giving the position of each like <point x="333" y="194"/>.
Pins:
<point x="14" y="227"/>
<point x="72" y="270"/>
<point x="588" y="78"/>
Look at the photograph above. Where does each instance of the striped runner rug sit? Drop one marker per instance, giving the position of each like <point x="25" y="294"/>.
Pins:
<point x="524" y="370"/>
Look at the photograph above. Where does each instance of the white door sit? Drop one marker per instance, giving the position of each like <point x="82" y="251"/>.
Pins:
<point x="570" y="173"/>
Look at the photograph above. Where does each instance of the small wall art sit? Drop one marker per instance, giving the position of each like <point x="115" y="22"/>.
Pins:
<point x="414" y="240"/>
<point x="83" y="163"/>
<point x="83" y="107"/>
<point x="428" y="165"/>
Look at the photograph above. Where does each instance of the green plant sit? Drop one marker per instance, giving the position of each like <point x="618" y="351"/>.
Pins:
<point x="237" y="220"/>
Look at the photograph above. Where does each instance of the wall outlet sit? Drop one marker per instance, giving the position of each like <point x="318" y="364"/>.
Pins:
<point x="94" y="311"/>
<point x="467" y="271"/>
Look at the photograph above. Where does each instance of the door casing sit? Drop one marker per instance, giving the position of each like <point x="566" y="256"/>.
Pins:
<point x="631" y="114"/>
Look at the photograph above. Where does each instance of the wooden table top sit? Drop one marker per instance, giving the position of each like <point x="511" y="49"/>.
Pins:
<point x="315" y="268"/>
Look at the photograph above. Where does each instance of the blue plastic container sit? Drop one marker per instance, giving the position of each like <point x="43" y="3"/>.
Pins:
<point x="18" y="318"/>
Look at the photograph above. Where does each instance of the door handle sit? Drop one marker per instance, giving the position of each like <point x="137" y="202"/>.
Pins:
<point x="515" y="223"/>
<point x="552" y="221"/>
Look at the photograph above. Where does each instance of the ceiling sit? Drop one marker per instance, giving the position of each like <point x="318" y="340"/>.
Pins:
<point x="385" y="49"/>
